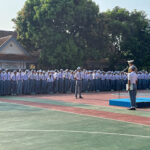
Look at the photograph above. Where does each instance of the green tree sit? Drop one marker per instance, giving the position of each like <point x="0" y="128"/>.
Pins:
<point x="128" y="37"/>
<point x="65" y="31"/>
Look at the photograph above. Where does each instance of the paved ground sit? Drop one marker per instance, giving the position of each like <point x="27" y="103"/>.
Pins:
<point x="61" y="122"/>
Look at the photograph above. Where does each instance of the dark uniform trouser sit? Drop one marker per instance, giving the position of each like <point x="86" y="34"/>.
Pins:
<point x="38" y="86"/>
<point x="49" y="87"/>
<point x="56" y="84"/>
<point x="44" y="87"/>
<point x="72" y="85"/>
<point x="78" y="88"/>
<point x="66" y="85"/>
<point x="19" y="87"/>
<point x="14" y="87"/>
<point x="26" y="87"/>
<point x="1" y="87"/>
<point x="32" y="86"/>
<point x="61" y="85"/>
<point x="132" y="94"/>
<point x="7" y="87"/>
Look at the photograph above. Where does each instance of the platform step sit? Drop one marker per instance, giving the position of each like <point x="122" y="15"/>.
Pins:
<point x="125" y="102"/>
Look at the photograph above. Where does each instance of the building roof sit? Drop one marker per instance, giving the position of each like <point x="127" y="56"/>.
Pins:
<point x="4" y="33"/>
<point x="4" y="39"/>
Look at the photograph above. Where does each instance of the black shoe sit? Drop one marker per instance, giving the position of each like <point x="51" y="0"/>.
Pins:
<point x="81" y="97"/>
<point x="132" y="108"/>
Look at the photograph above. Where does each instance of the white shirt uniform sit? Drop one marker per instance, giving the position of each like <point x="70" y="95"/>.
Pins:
<point x="25" y="76"/>
<point x="78" y="76"/>
<point x="19" y="76"/>
<point x="132" y="77"/>
<point x="50" y="79"/>
<point x="14" y="77"/>
<point x="6" y="76"/>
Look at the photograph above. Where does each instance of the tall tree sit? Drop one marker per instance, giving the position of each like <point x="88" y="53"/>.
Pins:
<point x="128" y="34"/>
<point x="64" y="30"/>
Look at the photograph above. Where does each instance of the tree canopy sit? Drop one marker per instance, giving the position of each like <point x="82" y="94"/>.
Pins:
<point x="74" y="32"/>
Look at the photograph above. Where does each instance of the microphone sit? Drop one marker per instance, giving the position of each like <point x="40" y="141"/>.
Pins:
<point x="125" y="69"/>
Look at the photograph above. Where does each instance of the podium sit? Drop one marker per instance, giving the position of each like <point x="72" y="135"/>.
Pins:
<point x="125" y="102"/>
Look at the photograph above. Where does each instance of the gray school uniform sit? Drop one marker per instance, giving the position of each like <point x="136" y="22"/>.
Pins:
<point x="117" y="82"/>
<point x="32" y="82"/>
<point x="19" y="83"/>
<point x="72" y="82"/>
<point x="89" y="77"/>
<point x="78" y="85"/>
<point x="94" y="80"/>
<point x="26" y="83"/>
<point x="50" y="82"/>
<point x="56" y="82"/>
<point x="103" y="79"/>
<point x="7" y="83"/>
<point x="149" y="80"/>
<point x="2" y="83"/>
<point x="61" y="81"/>
<point x="37" y="83"/>
<point x="44" y="83"/>
<point x="97" y="81"/>
<point x="14" y="83"/>
<point x="85" y="81"/>
<point x="67" y="82"/>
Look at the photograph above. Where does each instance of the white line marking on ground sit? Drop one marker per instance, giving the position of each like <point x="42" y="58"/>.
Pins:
<point x="84" y="132"/>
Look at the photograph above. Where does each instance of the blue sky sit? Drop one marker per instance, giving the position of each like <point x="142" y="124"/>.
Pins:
<point x="9" y="8"/>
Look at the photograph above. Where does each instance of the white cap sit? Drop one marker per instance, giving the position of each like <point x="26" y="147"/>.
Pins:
<point x="130" y="61"/>
<point x="78" y="68"/>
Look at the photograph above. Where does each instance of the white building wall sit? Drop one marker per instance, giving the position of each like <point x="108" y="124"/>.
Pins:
<point x="12" y="48"/>
<point x="13" y="65"/>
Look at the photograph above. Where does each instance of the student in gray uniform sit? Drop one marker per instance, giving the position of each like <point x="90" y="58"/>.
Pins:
<point x="61" y="81"/>
<point x="118" y="81"/>
<point x="67" y="83"/>
<point x="7" y="82"/>
<point x="19" y="82"/>
<point x="50" y="83"/>
<point x="25" y="82"/>
<point x="56" y="81"/>
<point x="103" y="81"/>
<point x="83" y="80"/>
<point x="14" y="83"/>
<point x="72" y="82"/>
<point x="1" y="83"/>
<point x="44" y="83"/>
<point x="37" y="82"/>
<point x="97" y="80"/>
<point x="107" y="84"/>
<point x="78" y="85"/>
<point x="94" y="81"/>
<point x="90" y="81"/>
<point x="32" y="81"/>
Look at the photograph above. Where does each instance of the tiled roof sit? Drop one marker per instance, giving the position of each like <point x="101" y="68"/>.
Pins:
<point x="6" y="33"/>
<point x="4" y="39"/>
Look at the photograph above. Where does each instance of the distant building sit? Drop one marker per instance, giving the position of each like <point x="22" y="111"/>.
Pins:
<point x="13" y="55"/>
<point x="4" y="33"/>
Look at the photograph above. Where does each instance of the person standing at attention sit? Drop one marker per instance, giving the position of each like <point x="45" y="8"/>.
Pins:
<point x="132" y="87"/>
<point x="131" y="63"/>
<point x="78" y="84"/>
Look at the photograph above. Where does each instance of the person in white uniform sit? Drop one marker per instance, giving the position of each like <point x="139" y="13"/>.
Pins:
<point x="132" y="87"/>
